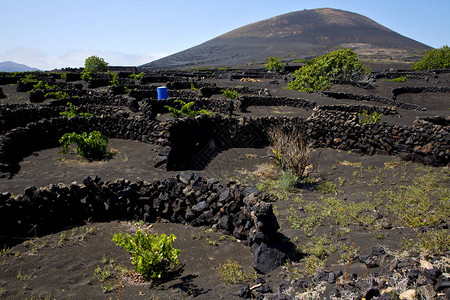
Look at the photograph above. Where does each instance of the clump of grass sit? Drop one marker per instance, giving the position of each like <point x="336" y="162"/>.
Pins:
<point x="433" y="241"/>
<point x="266" y="170"/>
<point x="288" y="181"/>
<point x="319" y="247"/>
<point x="231" y="272"/>
<point x="327" y="187"/>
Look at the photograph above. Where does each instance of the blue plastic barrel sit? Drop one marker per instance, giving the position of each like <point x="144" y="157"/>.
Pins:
<point x="162" y="93"/>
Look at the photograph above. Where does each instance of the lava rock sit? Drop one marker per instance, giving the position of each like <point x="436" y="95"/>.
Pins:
<point x="245" y="292"/>
<point x="268" y="257"/>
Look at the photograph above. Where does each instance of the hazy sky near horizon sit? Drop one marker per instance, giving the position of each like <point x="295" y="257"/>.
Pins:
<point x="50" y="34"/>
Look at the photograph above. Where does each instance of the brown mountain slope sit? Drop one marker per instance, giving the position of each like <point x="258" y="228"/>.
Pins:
<point x="297" y="35"/>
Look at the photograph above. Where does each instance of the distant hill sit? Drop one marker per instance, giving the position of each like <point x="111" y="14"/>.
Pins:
<point x="297" y="35"/>
<point x="10" y="66"/>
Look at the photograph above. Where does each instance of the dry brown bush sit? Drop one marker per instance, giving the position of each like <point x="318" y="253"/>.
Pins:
<point x="290" y="148"/>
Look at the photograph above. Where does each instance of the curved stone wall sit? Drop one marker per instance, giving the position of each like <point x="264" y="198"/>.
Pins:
<point x="185" y="198"/>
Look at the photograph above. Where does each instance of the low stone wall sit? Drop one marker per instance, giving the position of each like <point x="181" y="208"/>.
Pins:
<point x="392" y="110"/>
<point x="19" y="115"/>
<point x="416" y="90"/>
<point x="403" y="105"/>
<point x="185" y="198"/>
<point x="245" y="101"/>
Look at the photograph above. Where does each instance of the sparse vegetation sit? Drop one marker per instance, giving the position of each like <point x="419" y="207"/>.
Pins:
<point x="151" y="255"/>
<point x="339" y="66"/>
<point x="91" y="146"/>
<point x="231" y="272"/>
<point x="434" y="59"/>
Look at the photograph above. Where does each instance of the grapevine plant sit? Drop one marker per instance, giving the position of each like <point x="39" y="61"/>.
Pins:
<point x="151" y="255"/>
<point x="91" y="146"/>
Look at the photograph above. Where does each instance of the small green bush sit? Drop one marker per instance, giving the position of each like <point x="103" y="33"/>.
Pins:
<point x="115" y="79"/>
<point x="398" y="79"/>
<point x="434" y="59"/>
<point x="57" y="95"/>
<point x="73" y="112"/>
<point x="274" y="63"/>
<point x="95" y="64"/>
<point x="28" y="78"/>
<point x="231" y="94"/>
<point x="137" y="76"/>
<point x="288" y="181"/>
<point x="365" y="117"/>
<point x="151" y="255"/>
<point x="186" y="109"/>
<point x="86" y="76"/>
<point x="91" y="146"/>
<point x="44" y="86"/>
<point x="339" y="66"/>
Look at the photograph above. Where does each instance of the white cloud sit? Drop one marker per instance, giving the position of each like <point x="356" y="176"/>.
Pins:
<point x="37" y="58"/>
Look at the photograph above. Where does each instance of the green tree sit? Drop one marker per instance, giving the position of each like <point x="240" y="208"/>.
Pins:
<point x="274" y="63"/>
<point x="434" y="59"/>
<point x="339" y="66"/>
<point x="95" y="64"/>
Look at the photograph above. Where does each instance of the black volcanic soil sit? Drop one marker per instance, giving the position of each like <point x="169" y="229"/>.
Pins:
<point x="62" y="265"/>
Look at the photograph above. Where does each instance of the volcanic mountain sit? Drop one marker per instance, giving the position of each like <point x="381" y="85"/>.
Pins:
<point x="296" y="35"/>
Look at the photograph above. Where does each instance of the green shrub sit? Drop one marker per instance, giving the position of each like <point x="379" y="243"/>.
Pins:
<point x="86" y="76"/>
<point x="274" y="63"/>
<point x="151" y="255"/>
<point x="186" y="110"/>
<point x="137" y="76"/>
<point x="398" y="79"/>
<point x="288" y="181"/>
<point x="194" y="88"/>
<point x="44" y="86"/>
<point x="95" y="64"/>
<point x="365" y="117"/>
<point x="91" y="146"/>
<point x="231" y="94"/>
<point x="28" y="78"/>
<point x="73" y="112"/>
<point x="434" y="59"/>
<point x="339" y="66"/>
<point x="57" y="95"/>
<point x="115" y="79"/>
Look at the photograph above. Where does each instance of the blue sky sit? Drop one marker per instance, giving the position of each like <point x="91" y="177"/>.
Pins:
<point x="62" y="33"/>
